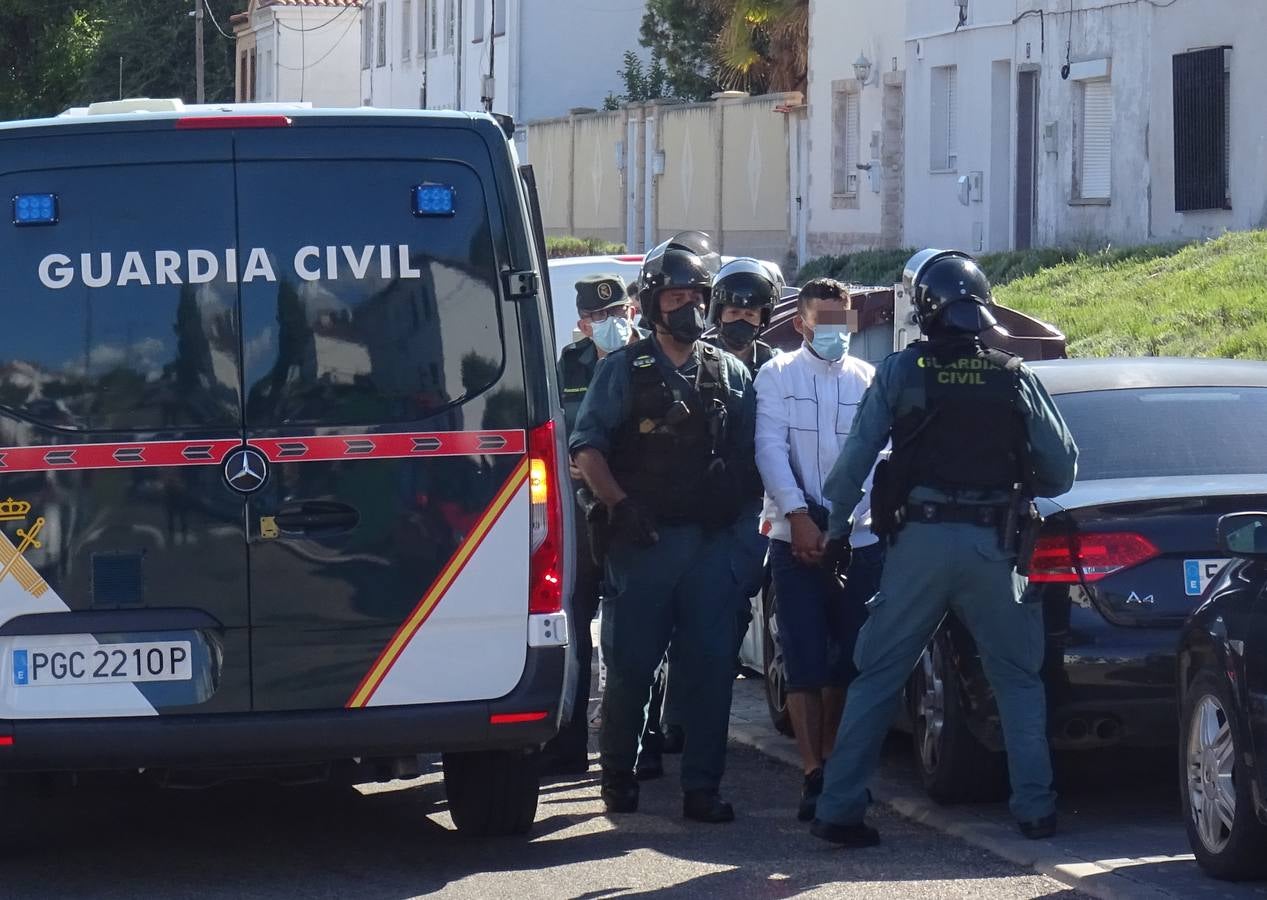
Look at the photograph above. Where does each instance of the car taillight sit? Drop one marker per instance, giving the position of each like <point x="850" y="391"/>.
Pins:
<point x="1071" y="559"/>
<point x="6" y="740"/>
<point x="545" y="569"/>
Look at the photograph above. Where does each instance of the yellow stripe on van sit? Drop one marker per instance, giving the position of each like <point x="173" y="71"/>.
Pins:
<point x="436" y="592"/>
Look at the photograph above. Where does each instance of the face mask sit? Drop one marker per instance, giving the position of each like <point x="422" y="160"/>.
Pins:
<point x="831" y="342"/>
<point x="612" y="333"/>
<point x="738" y="335"/>
<point x="686" y="323"/>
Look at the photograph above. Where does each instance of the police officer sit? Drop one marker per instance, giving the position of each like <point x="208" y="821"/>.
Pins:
<point x="604" y="317"/>
<point x="974" y="438"/>
<point x="745" y="292"/>
<point x="664" y="440"/>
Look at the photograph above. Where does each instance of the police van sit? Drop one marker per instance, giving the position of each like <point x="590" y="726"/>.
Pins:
<point x="280" y="450"/>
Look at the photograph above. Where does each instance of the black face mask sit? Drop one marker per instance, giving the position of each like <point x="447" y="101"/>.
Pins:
<point x="738" y="335"/>
<point x="686" y="323"/>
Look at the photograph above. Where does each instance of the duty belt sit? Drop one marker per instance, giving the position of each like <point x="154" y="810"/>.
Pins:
<point x="956" y="513"/>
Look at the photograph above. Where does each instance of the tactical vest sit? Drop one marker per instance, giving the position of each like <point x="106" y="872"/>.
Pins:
<point x="576" y="370"/>
<point x="762" y="353"/>
<point x="663" y="464"/>
<point x="967" y="434"/>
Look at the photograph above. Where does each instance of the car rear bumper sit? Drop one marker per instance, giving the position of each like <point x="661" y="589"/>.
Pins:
<point x="288" y="738"/>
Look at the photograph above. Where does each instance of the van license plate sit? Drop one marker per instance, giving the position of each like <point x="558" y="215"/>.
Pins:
<point x="102" y="663"/>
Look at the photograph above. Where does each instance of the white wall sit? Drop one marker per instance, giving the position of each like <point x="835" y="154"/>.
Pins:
<point x="318" y="65"/>
<point x="572" y="52"/>
<point x="839" y="32"/>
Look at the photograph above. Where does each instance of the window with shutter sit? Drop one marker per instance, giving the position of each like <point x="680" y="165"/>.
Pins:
<point x="450" y="25"/>
<point x="845" y="129"/>
<point x="382" y="33"/>
<point x="1202" y="146"/>
<point x="1094" y="160"/>
<point x="944" y="124"/>
<point x="406" y="29"/>
<point x="499" y="17"/>
<point x="367" y="35"/>
<point x="477" y="22"/>
<point x="433" y="26"/>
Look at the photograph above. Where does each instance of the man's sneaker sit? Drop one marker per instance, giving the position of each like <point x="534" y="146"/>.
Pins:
<point x="619" y="793"/>
<point x="1037" y="829"/>
<point x="707" y="806"/>
<point x="857" y="835"/>
<point x="810" y="792"/>
<point x="674" y="739"/>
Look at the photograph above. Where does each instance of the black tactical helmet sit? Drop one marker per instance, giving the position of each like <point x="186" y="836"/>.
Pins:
<point x="948" y="291"/>
<point x="699" y="243"/>
<point x="667" y="267"/>
<point x="748" y="284"/>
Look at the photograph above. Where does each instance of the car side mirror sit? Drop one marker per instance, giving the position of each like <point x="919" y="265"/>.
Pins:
<point x="1244" y="535"/>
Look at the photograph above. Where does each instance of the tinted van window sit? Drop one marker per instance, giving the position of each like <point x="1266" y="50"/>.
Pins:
<point x="1157" y="432"/>
<point x="376" y="315"/>
<point x="121" y="316"/>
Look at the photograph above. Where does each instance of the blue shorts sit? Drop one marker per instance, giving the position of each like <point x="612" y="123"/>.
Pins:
<point x="818" y="621"/>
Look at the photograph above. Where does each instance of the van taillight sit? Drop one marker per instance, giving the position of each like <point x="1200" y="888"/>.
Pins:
<point x="6" y="740"/>
<point x="1075" y="558"/>
<point x="545" y="569"/>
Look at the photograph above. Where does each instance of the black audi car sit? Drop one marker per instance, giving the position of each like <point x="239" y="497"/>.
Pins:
<point x="1222" y="683"/>
<point x="1168" y="446"/>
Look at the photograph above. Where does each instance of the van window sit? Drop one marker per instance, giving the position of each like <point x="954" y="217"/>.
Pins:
<point x="121" y="317"/>
<point x="377" y="315"/>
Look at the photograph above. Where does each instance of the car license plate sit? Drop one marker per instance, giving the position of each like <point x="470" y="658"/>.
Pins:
<point x="102" y="663"/>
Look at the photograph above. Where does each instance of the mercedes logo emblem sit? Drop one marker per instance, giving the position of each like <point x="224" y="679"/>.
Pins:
<point x="246" y="470"/>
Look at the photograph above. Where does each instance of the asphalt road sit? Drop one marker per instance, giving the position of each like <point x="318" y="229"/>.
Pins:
<point x="124" y="838"/>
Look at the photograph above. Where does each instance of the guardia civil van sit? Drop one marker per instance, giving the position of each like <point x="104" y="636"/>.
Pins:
<point x="280" y="450"/>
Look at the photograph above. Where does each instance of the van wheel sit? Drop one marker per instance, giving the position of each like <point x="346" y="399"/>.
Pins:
<point x="953" y="765"/>
<point x="775" y="669"/>
<point x="1218" y="799"/>
<point x="492" y="792"/>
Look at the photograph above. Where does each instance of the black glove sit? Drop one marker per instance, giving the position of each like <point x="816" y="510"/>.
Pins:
<point x="836" y="557"/>
<point x="629" y="521"/>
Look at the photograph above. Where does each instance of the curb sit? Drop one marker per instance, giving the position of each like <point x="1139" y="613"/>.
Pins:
<point x="1095" y="878"/>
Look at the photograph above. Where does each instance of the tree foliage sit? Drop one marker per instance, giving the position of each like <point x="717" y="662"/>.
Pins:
<point x="55" y="54"/>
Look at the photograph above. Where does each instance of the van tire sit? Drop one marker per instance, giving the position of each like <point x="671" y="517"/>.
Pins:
<point x="492" y="792"/>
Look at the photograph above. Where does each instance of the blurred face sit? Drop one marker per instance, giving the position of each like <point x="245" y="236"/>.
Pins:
<point x="827" y="312"/>
<point x="737" y="313"/>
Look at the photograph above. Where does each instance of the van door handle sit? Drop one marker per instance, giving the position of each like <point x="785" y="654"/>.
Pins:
<point x="317" y="516"/>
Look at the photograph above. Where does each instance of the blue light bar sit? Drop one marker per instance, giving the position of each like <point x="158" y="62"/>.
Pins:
<point x="34" y="209"/>
<point x="434" y="200"/>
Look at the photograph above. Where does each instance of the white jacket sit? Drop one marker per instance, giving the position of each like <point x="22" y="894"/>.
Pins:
<point x="805" y="410"/>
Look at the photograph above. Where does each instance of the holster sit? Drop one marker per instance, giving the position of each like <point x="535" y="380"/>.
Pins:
<point x="1027" y="538"/>
<point x="595" y="523"/>
<point x="888" y="505"/>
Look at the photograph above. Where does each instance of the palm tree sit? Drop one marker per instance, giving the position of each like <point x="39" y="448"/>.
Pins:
<point x="764" y="44"/>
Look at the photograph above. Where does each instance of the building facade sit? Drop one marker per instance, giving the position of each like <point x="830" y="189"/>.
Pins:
<point x="1041" y="122"/>
<point x="528" y="58"/>
<point x="298" y="50"/>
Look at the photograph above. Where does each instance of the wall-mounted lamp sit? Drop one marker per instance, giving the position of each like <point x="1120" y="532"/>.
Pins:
<point x="862" y="69"/>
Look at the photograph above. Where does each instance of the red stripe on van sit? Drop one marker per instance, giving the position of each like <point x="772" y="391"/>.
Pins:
<point x="304" y="448"/>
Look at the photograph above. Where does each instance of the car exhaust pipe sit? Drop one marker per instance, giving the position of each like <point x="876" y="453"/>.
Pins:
<point x="1077" y="729"/>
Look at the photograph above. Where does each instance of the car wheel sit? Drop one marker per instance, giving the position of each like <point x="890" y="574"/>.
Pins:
<point x="775" y="669"/>
<point x="492" y="792"/>
<point x="1218" y="799"/>
<point x="953" y="764"/>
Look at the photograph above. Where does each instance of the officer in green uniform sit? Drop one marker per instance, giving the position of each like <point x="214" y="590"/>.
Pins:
<point x="975" y="437"/>
<point x="603" y="311"/>
<point x="664" y="439"/>
<point x="745" y="292"/>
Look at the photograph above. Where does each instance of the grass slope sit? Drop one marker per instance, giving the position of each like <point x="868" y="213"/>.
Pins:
<point x="1205" y="299"/>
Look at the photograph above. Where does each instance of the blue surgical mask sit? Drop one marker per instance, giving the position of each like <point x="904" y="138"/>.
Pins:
<point x="612" y="333"/>
<point x="831" y="342"/>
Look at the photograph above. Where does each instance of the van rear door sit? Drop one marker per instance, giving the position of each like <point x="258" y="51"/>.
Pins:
<point x="123" y="558"/>
<point x="389" y="546"/>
